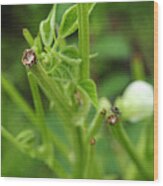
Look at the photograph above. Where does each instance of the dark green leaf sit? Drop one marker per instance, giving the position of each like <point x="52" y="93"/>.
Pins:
<point x="47" y="28"/>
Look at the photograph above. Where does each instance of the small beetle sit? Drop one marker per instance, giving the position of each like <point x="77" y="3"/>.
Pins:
<point x="112" y="119"/>
<point x="29" y="57"/>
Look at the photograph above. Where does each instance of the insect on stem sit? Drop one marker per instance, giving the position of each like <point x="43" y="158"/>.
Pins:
<point x="29" y="58"/>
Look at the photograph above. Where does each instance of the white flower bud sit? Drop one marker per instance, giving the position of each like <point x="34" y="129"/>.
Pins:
<point x="136" y="104"/>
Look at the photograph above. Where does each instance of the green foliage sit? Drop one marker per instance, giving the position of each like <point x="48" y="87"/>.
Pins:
<point x="88" y="87"/>
<point x="37" y="45"/>
<point x="71" y="130"/>
<point x="27" y="35"/>
<point x="47" y="28"/>
<point x="25" y="137"/>
<point x="69" y="23"/>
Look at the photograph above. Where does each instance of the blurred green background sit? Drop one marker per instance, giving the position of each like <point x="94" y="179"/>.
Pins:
<point x="120" y="33"/>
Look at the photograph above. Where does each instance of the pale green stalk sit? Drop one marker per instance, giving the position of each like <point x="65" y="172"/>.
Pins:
<point x="38" y="107"/>
<point x="83" y="35"/>
<point x="137" y="68"/>
<point x="18" y="100"/>
<point x="55" y="165"/>
<point x="123" y="139"/>
<point x="30" y="115"/>
<point x="41" y="117"/>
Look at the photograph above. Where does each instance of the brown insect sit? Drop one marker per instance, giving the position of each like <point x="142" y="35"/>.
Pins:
<point x="112" y="119"/>
<point x="29" y="57"/>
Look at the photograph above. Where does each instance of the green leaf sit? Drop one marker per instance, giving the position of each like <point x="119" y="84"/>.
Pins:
<point x="71" y="51"/>
<point x="92" y="56"/>
<point x="69" y="22"/>
<point x="47" y="28"/>
<point x="69" y="60"/>
<point x="26" y="137"/>
<point x="37" y="44"/>
<point x="28" y="36"/>
<point x="88" y="87"/>
<point x="91" y="7"/>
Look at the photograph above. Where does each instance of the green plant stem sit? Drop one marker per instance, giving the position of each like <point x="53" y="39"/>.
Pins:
<point x="18" y="100"/>
<point x="7" y="135"/>
<point x="30" y="115"/>
<point x="123" y="139"/>
<point x="61" y="147"/>
<point x="88" y="148"/>
<point x="88" y="172"/>
<point x="84" y="49"/>
<point x="95" y="126"/>
<point x="57" y="168"/>
<point x="137" y="68"/>
<point x="61" y="106"/>
<point x="40" y="113"/>
<point x="27" y="35"/>
<point x="78" y="149"/>
<point x="55" y="165"/>
<point x="54" y="93"/>
<point x="83" y="34"/>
